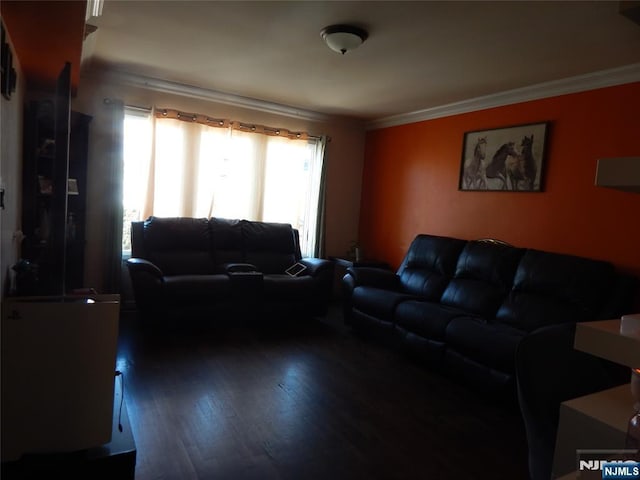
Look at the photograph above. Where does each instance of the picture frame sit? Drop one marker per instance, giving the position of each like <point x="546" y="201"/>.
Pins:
<point x="8" y="77"/>
<point x="506" y="159"/>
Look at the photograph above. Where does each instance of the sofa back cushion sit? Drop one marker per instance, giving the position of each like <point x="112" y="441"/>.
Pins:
<point x="483" y="277"/>
<point x="227" y="242"/>
<point x="552" y="288"/>
<point x="429" y="265"/>
<point x="179" y="245"/>
<point x="269" y="246"/>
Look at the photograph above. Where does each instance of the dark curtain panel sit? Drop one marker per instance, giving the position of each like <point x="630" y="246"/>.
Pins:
<point x="113" y="203"/>
<point x="319" y="250"/>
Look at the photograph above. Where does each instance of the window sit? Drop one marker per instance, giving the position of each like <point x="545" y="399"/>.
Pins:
<point x="136" y="157"/>
<point x="178" y="168"/>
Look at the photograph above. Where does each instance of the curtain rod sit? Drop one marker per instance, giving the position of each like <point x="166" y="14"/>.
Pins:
<point x="140" y="109"/>
<point x="221" y="122"/>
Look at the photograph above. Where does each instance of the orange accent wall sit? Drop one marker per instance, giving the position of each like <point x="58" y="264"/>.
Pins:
<point x="411" y="172"/>
<point x="46" y="34"/>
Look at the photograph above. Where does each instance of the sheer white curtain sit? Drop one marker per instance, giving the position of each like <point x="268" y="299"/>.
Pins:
<point x="191" y="169"/>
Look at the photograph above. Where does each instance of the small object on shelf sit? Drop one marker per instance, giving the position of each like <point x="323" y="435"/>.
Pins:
<point x="46" y="185"/>
<point x="47" y="148"/>
<point x="355" y="252"/>
<point x="72" y="187"/>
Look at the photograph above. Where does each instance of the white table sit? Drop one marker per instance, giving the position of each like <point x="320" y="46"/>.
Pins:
<point x="597" y="421"/>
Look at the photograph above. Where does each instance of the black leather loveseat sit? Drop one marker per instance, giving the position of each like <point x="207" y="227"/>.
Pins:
<point x="465" y="306"/>
<point x="490" y="313"/>
<point x="218" y="264"/>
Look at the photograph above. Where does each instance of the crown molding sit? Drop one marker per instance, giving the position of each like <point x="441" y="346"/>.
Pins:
<point x="580" y="83"/>
<point x="181" y="89"/>
<point x="590" y="81"/>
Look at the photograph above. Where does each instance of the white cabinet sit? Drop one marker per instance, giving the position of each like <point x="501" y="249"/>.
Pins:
<point x="58" y="366"/>
<point x="598" y="421"/>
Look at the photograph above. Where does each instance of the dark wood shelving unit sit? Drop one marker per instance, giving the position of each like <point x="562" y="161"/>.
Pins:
<point x="77" y="200"/>
<point x="53" y="215"/>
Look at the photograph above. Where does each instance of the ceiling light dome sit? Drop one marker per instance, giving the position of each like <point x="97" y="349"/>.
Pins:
<point x="343" y="38"/>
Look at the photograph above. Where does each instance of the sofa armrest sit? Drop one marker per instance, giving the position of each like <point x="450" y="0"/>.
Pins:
<point x="147" y="281"/>
<point x="546" y="359"/>
<point x="550" y="371"/>
<point x="316" y="266"/>
<point x="365" y="276"/>
<point x="239" y="267"/>
<point x="374" y="277"/>
<point x="140" y="265"/>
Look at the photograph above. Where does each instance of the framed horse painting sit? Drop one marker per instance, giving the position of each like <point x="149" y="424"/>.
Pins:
<point x="509" y="159"/>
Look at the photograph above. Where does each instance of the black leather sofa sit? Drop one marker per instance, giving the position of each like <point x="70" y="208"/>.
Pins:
<point x="215" y="265"/>
<point x="490" y="313"/>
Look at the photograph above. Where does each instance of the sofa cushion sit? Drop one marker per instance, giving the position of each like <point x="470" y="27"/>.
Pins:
<point x="269" y="246"/>
<point x="429" y="264"/>
<point x="377" y="302"/>
<point x="179" y="245"/>
<point x="484" y="274"/>
<point x="426" y="319"/>
<point x="196" y="288"/>
<point x="552" y="288"/>
<point x="490" y="344"/>
<point x="227" y="242"/>
<point x="283" y="286"/>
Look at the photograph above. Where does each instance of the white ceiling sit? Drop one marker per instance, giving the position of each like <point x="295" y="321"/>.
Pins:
<point x="419" y="55"/>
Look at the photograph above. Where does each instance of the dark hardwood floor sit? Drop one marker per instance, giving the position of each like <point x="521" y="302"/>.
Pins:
<point x="305" y="400"/>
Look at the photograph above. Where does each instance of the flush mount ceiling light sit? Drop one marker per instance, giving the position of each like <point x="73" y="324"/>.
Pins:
<point x="342" y="38"/>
